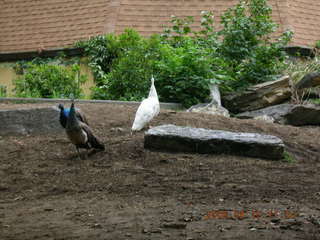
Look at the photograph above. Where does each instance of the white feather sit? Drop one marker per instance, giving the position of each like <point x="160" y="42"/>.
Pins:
<point x="148" y="109"/>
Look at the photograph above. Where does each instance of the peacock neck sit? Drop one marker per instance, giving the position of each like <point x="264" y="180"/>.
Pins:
<point x="153" y="91"/>
<point x="72" y="121"/>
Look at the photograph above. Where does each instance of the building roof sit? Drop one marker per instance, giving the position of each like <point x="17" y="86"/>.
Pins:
<point x="35" y="25"/>
<point x="27" y="25"/>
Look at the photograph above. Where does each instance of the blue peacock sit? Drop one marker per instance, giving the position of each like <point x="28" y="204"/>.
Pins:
<point x="80" y="134"/>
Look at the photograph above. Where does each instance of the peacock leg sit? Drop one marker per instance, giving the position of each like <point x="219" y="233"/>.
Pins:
<point x="78" y="153"/>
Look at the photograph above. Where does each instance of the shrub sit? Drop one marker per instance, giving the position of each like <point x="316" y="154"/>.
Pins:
<point x="184" y="73"/>
<point x="123" y="77"/>
<point x="49" y="81"/>
<point x="3" y="91"/>
<point x="247" y="45"/>
<point x="181" y="73"/>
<point x="185" y="61"/>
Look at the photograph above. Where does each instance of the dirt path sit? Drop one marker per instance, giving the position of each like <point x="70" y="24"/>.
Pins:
<point x="128" y="192"/>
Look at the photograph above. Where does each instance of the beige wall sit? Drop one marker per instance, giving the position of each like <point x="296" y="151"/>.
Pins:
<point x="7" y="76"/>
<point x="85" y="70"/>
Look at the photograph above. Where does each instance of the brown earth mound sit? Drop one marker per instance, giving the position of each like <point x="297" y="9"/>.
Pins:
<point x="128" y="192"/>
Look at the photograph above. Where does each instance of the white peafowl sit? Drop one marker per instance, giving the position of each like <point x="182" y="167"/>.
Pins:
<point x="80" y="134"/>
<point x="148" y="109"/>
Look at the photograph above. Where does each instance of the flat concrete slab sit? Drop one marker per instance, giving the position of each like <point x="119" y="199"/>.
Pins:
<point x="29" y="121"/>
<point x="200" y="140"/>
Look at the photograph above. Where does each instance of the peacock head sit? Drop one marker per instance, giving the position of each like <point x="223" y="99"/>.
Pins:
<point x="72" y="109"/>
<point x="60" y="106"/>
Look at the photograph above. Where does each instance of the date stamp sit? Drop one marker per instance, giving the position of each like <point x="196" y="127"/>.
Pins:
<point x="256" y="214"/>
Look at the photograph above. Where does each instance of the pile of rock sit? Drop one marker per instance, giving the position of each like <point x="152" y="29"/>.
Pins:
<point x="286" y="104"/>
<point x="278" y="101"/>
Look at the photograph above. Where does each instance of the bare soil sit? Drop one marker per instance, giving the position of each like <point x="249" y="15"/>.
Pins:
<point x="128" y="192"/>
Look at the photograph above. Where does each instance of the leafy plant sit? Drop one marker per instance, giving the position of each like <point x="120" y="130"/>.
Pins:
<point x="185" y="61"/>
<point x="297" y="70"/>
<point x="49" y="81"/>
<point x="182" y="72"/>
<point x="3" y="91"/>
<point x="247" y="45"/>
<point x="288" y="157"/>
<point x="300" y="67"/>
<point x="105" y="49"/>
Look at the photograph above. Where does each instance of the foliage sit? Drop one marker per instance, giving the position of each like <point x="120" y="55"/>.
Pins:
<point x="300" y="67"/>
<point x="297" y="69"/>
<point x="48" y="80"/>
<point x="181" y="73"/>
<point x="247" y="45"/>
<point x="288" y="157"/>
<point x="3" y="91"/>
<point x="185" y="61"/>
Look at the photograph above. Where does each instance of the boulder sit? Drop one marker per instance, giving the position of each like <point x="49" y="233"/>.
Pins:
<point x="301" y="115"/>
<point x="259" y="96"/>
<point x="29" y="121"/>
<point x="214" y="107"/>
<point x="265" y="118"/>
<point x="300" y="51"/>
<point x="308" y="81"/>
<point x="291" y="114"/>
<point x="199" y="140"/>
<point x="209" y="108"/>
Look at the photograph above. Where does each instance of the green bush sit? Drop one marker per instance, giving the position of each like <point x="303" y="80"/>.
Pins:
<point x="123" y="77"/>
<point x="181" y="73"/>
<point x="3" y="91"/>
<point x="184" y="73"/>
<point x="247" y="45"/>
<point x="49" y="81"/>
<point x="185" y="61"/>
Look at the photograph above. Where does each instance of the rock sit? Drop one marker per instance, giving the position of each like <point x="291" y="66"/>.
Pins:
<point x="145" y="231"/>
<point x="301" y="115"/>
<point x="308" y="81"/>
<point x="265" y="118"/>
<point x="214" y="107"/>
<point x="174" y="225"/>
<point x="300" y="51"/>
<point x="30" y="121"/>
<point x="275" y="220"/>
<point x="276" y="112"/>
<point x="259" y="96"/>
<point x="296" y="115"/>
<point x="199" y="140"/>
<point x="209" y="108"/>
<point x="96" y="225"/>
<point x="157" y="230"/>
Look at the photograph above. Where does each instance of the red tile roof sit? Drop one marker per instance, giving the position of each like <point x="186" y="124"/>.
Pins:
<point x="29" y="25"/>
<point x="32" y="24"/>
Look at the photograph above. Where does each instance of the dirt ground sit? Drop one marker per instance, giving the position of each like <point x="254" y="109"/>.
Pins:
<point x="128" y="192"/>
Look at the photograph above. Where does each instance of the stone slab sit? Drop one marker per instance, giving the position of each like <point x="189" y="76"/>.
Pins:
<point x="291" y="114"/>
<point x="199" y="140"/>
<point x="29" y="121"/>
